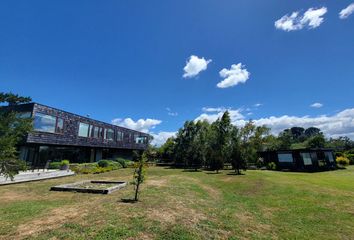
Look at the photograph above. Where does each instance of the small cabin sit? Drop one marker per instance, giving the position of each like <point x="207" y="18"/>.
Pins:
<point x="307" y="160"/>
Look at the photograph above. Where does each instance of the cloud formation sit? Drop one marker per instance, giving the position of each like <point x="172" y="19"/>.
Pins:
<point x="312" y="18"/>
<point x="171" y="113"/>
<point x="233" y="76"/>
<point x="142" y="125"/>
<point x="161" y="137"/>
<point x="316" y="105"/>
<point x="340" y="124"/>
<point x="346" y="12"/>
<point x="194" y="66"/>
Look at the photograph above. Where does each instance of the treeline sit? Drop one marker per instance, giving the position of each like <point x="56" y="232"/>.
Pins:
<point x="201" y="144"/>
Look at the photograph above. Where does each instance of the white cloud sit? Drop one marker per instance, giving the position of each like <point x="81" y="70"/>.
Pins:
<point x="143" y="125"/>
<point x="312" y="18"/>
<point x="171" y="113"/>
<point x="194" y="66"/>
<point x="212" y="114"/>
<point x="258" y="105"/>
<point x="233" y="76"/>
<point x="346" y="12"/>
<point x="316" y="105"/>
<point x="340" y="124"/>
<point x="161" y="137"/>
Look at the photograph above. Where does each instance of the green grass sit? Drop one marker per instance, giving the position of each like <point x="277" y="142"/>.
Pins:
<point x="177" y="204"/>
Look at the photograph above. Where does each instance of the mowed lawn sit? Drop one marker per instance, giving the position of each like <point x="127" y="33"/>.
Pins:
<point x="177" y="204"/>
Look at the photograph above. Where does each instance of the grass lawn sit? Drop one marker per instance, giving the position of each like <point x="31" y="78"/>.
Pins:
<point x="186" y="205"/>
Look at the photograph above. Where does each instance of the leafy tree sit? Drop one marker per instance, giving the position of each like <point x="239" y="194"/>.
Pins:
<point x="139" y="174"/>
<point x="219" y="136"/>
<point x="12" y="130"/>
<point x="317" y="141"/>
<point x="312" y="131"/>
<point x="237" y="161"/>
<point x="285" y="139"/>
<point x="166" y="151"/>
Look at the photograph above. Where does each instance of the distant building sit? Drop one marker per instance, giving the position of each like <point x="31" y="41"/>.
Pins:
<point x="301" y="159"/>
<point x="59" y="135"/>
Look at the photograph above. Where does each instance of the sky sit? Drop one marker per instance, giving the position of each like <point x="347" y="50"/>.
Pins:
<point x="152" y="65"/>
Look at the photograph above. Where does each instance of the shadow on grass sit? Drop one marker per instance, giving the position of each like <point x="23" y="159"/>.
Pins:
<point x="128" y="200"/>
<point x="191" y="170"/>
<point x="235" y="174"/>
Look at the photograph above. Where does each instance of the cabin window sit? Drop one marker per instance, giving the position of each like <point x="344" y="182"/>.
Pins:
<point x="83" y="129"/>
<point x="140" y="139"/>
<point x="109" y="134"/>
<point x="329" y="156"/>
<point x="285" y="157"/>
<point x="101" y="132"/>
<point x="60" y="126"/>
<point x="120" y="136"/>
<point x="306" y="157"/>
<point x="95" y="132"/>
<point x="24" y="115"/>
<point x="44" y="123"/>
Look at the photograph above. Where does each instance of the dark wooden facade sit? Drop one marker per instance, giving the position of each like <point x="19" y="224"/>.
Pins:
<point x="309" y="160"/>
<point x="69" y="136"/>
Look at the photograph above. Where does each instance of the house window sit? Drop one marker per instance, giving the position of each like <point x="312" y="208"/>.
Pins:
<point x="285" y="157"/>
<point x="44" y="123"/>
<point x="329" y="156"/>
<point x="306" y="157"/>
<point x="95" y="132"/>
<point x="83" y="129"/>
<point x="120" y="136"/>
<point x="60" y="125"/>
<point x="101" y="133"/>
<point x="24" y="115"/>
<point x="110" y="134"/>
<point x="140" y="139"/>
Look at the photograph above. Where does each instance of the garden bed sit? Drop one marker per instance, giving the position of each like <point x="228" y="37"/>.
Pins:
<point x="99" y="187"/>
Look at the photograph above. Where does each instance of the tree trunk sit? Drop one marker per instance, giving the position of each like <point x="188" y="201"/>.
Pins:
<point x="136" y="192"/>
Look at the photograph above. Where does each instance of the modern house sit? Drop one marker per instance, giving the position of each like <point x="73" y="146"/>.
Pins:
<point x="301" y="159"/>
<point x="59" y="135"/>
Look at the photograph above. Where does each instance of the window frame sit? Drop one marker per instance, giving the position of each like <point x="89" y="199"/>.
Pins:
<point x="35" y="114"/>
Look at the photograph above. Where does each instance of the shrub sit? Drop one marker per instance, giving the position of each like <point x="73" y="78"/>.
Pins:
<point x="344" y="161"/>
<point x="64" y="163"/>
<point x="122" y="162"/>
<point x="103" y="163"/>
<point x="350" y="156"/>
<point x="271" y="166"/>
<point x="54" y="165"/>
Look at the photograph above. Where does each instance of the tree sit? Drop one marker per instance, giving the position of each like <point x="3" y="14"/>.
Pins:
<point x="139" y="174"/>
<point x="312" y="131"/>
<point x="219" y="136"/>
<point x="237" y="161"/>
<point x="166" y="151"/>
<point x="12" y="130"/>
<point x="317" y="141"/>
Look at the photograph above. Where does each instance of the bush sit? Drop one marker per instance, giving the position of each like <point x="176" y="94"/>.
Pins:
<point x="350" y="156"/>
<point x="124" y="162"/>
<point x="54" y="165"/>
<point x="103" y="163"/>
<point x="271" y="166"/>
<point x="64" y="163"/>
<point x="344" y="161"/>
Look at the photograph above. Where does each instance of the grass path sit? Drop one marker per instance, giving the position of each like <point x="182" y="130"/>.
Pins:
<point x="186" y="205"/>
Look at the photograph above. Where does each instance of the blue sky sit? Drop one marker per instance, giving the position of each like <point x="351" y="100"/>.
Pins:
<point x="124" y="61"/>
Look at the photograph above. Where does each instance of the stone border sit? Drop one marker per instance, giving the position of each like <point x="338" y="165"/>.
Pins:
<point x="72" y="187"/>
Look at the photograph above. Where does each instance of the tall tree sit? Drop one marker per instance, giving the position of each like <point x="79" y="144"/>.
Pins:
<point x="12" y="130"/>
<point x="235" y="154"/>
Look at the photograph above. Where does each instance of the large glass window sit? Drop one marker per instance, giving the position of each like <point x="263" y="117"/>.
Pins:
<point x="24" y="114"/>
<point x="95" y="132"/>
<point x="110" y="134"/>
<point x="120" y="136"/>
<point x="285" y="157"/>
<point x="83" y="129"/>
<point x="101" y="133"/>
<point x="60" y="125"/>
<point x="306" y="157"/>
<point x="44" y="123"/>
<point x="329" y="156"/>
<point x="140" y="139"/>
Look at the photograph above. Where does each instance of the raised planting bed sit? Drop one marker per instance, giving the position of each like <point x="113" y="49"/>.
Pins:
<point x="100" y="187"/>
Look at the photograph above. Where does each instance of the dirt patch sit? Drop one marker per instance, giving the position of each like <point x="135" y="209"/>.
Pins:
<point x="251" y="226"/>
<point x="178" y="213"/>
<point x="157" y="182"/>
<point x="52" y="220"/>
<point x="11" y="196"/>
